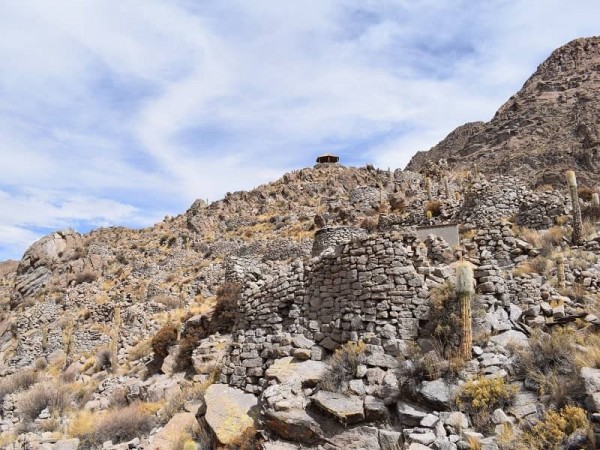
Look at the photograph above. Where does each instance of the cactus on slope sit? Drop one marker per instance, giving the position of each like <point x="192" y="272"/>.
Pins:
<point x="464" y="290"/>
<point x="577" y="237"/>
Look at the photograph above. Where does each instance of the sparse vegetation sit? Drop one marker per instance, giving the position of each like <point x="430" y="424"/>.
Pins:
<point x="225" y="312"/>
<point x="17" y="382"/>
<point x="117" y="425"/>
<point x="51" y="395"/>
<point x="556" y="426"/>
<point x="342" y="366"/>
<point x="434" y="207"/>
<point x="163" y="340"/>
<point x="481" y="395"/>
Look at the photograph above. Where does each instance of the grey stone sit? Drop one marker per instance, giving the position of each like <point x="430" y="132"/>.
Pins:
<point x="375" y="409"/>
<point x="410" y="415"/>
<point x="510" y="337"/>
<point x="229" y="412"/>
<point x="295" y="425"/>
<point x="347" y="409"/>
<point x="436" y="392"/>
<point x="429" y="421"/>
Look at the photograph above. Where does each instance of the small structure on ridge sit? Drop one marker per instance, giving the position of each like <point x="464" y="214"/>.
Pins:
<point x="327" y="159"/>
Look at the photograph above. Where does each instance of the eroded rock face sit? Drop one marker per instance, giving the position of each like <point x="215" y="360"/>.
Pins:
<point x="57" y="259"/>
<point x="549" y="126"/>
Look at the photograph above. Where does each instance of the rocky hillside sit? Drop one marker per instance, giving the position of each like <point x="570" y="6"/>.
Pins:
<point x="336" y="307"/>
<point x="549" y="126"/>
<point x="318" y="311"/>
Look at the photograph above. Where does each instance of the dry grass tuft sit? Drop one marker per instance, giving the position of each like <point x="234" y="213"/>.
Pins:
<point x="116" y="425"/>
<point x="225" y="313"/>
<point x="52" y="395"/>
<point x="434" y="207"/>
<point x="17" y="382"/>
<point x="342" y="365"/>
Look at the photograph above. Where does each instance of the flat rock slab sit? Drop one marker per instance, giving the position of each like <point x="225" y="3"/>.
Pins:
<point x="179" y="424"/>
<point x="410" y="414"/>
<point x="229" y="412"/>
<point x="511" y="337"/>
<point x="290" y="370"/>
<point x="361" y="438"/>
<point x="295" y="425"/>
<point x="346" y="408"/>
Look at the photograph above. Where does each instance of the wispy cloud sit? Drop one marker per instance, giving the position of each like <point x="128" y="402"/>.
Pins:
<point x="122" y="112"/>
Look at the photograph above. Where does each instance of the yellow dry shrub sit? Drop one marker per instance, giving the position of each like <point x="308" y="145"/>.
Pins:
<point x="82" y="424"/>
<point x="550" y="432"/>
<point x="482" y="392"/>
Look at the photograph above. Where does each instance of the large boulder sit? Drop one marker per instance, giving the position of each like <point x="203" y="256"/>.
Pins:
<point x="229" y="412"/>
<point x="57" y="259"/>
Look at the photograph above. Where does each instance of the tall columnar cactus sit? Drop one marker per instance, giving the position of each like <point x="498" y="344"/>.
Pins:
<point x="446" y="187"/>
<point x="595" y="200"/>
<point x="577" y="224"/>
<point x="428" y="188"/>
<point x="464" y="290"/>
<point x="560" y="272"/>
<point x="116" y="334"/>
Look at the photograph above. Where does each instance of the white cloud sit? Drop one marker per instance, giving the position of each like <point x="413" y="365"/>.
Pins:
<point x="123" y="112"/>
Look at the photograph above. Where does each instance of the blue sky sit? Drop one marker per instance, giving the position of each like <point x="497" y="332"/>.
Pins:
<point x="119" y="113"/>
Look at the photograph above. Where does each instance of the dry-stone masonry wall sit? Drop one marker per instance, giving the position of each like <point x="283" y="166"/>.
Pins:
<point x="373" y="288"/>
<point x="334" y="236"/>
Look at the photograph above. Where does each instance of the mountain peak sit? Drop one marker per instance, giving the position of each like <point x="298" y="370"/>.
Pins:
<point x="549" y="126"/>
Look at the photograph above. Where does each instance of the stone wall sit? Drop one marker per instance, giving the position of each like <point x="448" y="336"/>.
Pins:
<point x="541" y="210"/>
<point x="334" y="236"/>
<point x="374" y="288"/>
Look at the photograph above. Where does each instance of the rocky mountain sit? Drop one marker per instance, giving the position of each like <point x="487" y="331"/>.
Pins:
<point x="336" y="307"/>
<point x="549" y="126"/>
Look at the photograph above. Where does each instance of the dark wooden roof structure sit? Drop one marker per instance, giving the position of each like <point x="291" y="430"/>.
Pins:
<point x="327" y="159"/>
